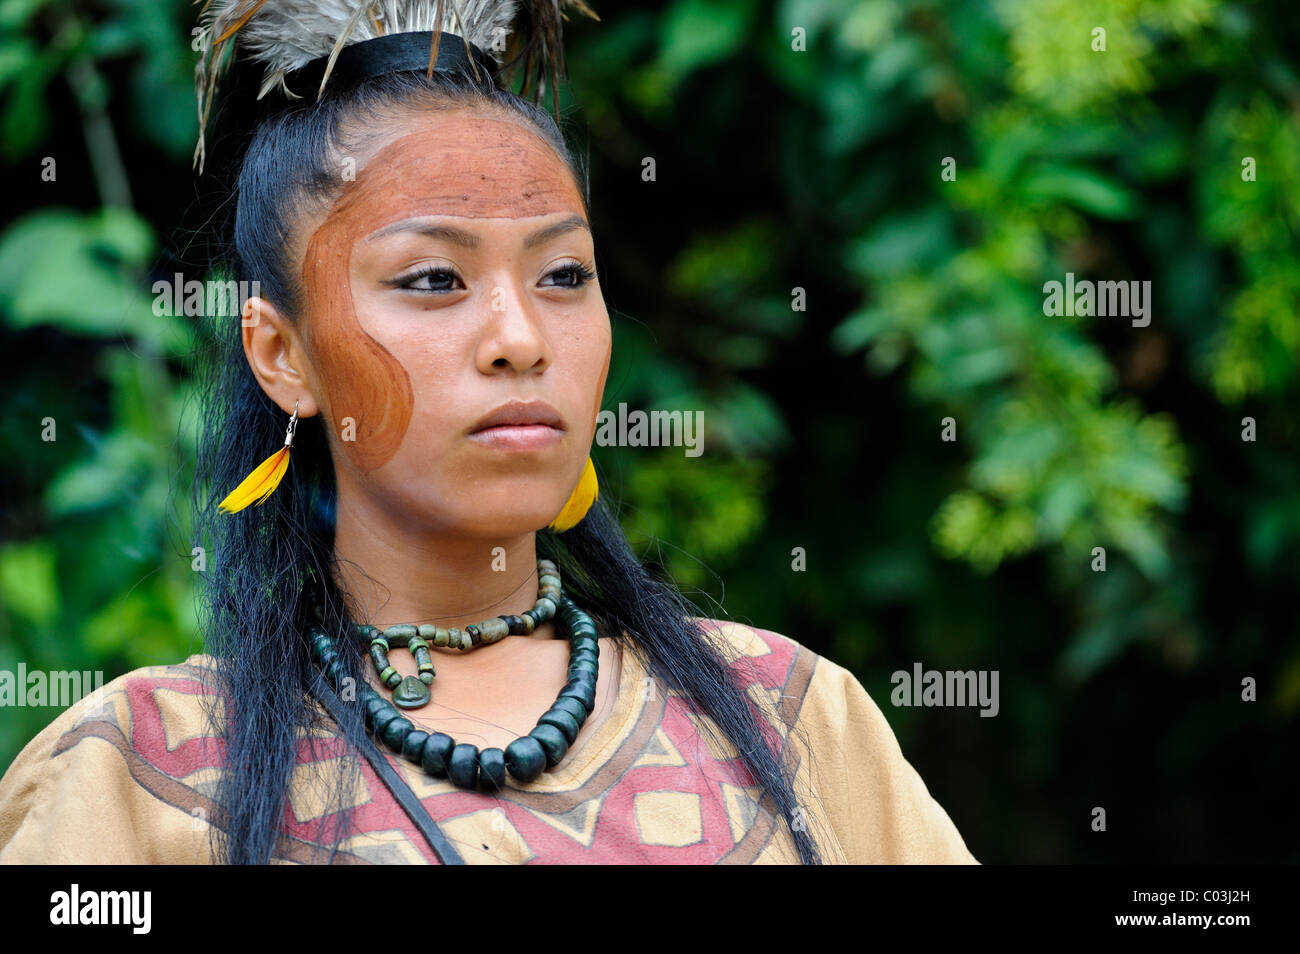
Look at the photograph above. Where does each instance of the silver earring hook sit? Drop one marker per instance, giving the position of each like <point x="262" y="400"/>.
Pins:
<point x="293" y="426"/>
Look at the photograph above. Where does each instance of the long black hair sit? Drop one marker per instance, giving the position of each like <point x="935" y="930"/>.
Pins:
<point x="266" y="564"/>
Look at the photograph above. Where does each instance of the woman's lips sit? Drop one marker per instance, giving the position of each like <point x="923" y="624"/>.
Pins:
<point x="518" y="437"/>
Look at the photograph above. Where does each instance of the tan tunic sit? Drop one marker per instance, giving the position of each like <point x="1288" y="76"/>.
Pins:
<point x="132" y="782"/>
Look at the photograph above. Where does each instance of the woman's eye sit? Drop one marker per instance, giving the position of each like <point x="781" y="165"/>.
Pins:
<point x="441" y="280"/>
<point x="430" y="280"/>
<point x="573" y="275"/>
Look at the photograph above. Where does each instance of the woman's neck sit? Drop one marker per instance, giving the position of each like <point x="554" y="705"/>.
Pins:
<point x="396" y="573"/>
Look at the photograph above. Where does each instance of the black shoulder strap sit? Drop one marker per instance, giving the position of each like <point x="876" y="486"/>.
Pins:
<point x="442" y="848"/>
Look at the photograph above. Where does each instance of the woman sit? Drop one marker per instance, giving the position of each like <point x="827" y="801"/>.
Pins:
<point x="431" y="346"/>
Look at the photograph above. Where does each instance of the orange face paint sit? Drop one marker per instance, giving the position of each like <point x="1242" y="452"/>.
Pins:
<point x="457" y="164"/>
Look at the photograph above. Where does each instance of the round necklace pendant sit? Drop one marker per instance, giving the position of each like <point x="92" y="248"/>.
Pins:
<point x="411" y="693"/>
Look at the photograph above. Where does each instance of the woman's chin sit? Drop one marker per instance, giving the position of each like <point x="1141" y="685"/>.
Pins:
<point x="505" y="522"/>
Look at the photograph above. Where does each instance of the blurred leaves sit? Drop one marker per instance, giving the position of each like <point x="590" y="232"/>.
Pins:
<point x="82" y="274"/>
<point x="708" y="508"/>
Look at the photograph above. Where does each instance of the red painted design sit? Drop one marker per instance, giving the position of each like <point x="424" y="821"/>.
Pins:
<point x="615" y="839"/>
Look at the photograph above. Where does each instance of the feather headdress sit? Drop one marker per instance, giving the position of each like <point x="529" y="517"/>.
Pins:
<point x="288" y="35"/>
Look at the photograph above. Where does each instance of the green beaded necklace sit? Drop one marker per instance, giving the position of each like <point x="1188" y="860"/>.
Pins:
<point x="437" y="753"/>
<point x="413" y="692"/>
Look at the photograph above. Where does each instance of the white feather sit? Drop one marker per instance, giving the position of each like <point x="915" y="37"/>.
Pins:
<point x="284" y="35"/>
<point x="288" y="34"/>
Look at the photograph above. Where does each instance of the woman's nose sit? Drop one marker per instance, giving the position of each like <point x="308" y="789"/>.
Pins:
<point x="513" y="333"/>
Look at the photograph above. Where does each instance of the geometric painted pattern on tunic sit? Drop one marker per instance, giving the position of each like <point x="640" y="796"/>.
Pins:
<point x="668" y="793"/>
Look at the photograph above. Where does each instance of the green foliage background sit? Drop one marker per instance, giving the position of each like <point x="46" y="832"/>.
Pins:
<point x="818" y="169"/>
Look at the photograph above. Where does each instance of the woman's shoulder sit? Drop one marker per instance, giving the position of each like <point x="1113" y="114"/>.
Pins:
<point x="128" y="744"/>
<point x="171" y="696"/>
<point x="155" y="708"/>
<point x="751" y="646"/>
<point x="793" y="675"/>
<point x="850" y="760"/>
<point x="766" y="655"/>
<point x="790" y="684"/>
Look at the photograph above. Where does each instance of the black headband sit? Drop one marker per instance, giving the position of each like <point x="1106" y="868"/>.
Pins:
<point x="356" y="62"/>
<point x="390" y="54"/>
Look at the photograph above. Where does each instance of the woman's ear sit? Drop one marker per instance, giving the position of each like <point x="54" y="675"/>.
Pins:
<point x="278" y="358"/>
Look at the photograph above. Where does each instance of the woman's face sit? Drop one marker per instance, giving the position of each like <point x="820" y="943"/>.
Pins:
<point x="448" y="279"/>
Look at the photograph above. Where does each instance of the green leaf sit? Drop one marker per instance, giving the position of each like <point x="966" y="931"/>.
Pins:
<point x="696" y="33"/>
<point x="1081" y="188"/>
<point x="28" y="583"/>
<point x="84" y="274"/>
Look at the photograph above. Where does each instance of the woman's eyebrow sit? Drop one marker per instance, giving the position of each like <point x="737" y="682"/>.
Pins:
<point x="467" y="239"/>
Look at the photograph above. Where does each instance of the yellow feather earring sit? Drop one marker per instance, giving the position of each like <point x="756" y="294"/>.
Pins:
<point x="579" y="502"/>
<point x="261" y="483"/>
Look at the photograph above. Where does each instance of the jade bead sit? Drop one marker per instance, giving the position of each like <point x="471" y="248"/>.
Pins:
<point x="437" y="751"/>
<point x="382" y="718"/>
<point x="462" y="767"/>
<point x="492" y="769"/>
<point x="396" y="731"/>
<point x="525" y="758"/>
<point x="587" y="699"/>
<point x="428" y="631"/>
<point x="573" y="707"/>
<point x="413" y="745"/>
<point x="552" y="742"/>
<point x="563" y="720"/>
<point x="399" y="634"/>
<point x="494" y="629"/>
<point x="373" y="705"/>
<point x="581" y="681"/>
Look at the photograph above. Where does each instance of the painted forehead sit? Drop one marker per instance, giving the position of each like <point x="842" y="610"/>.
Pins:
<point x="459" y="165"/>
